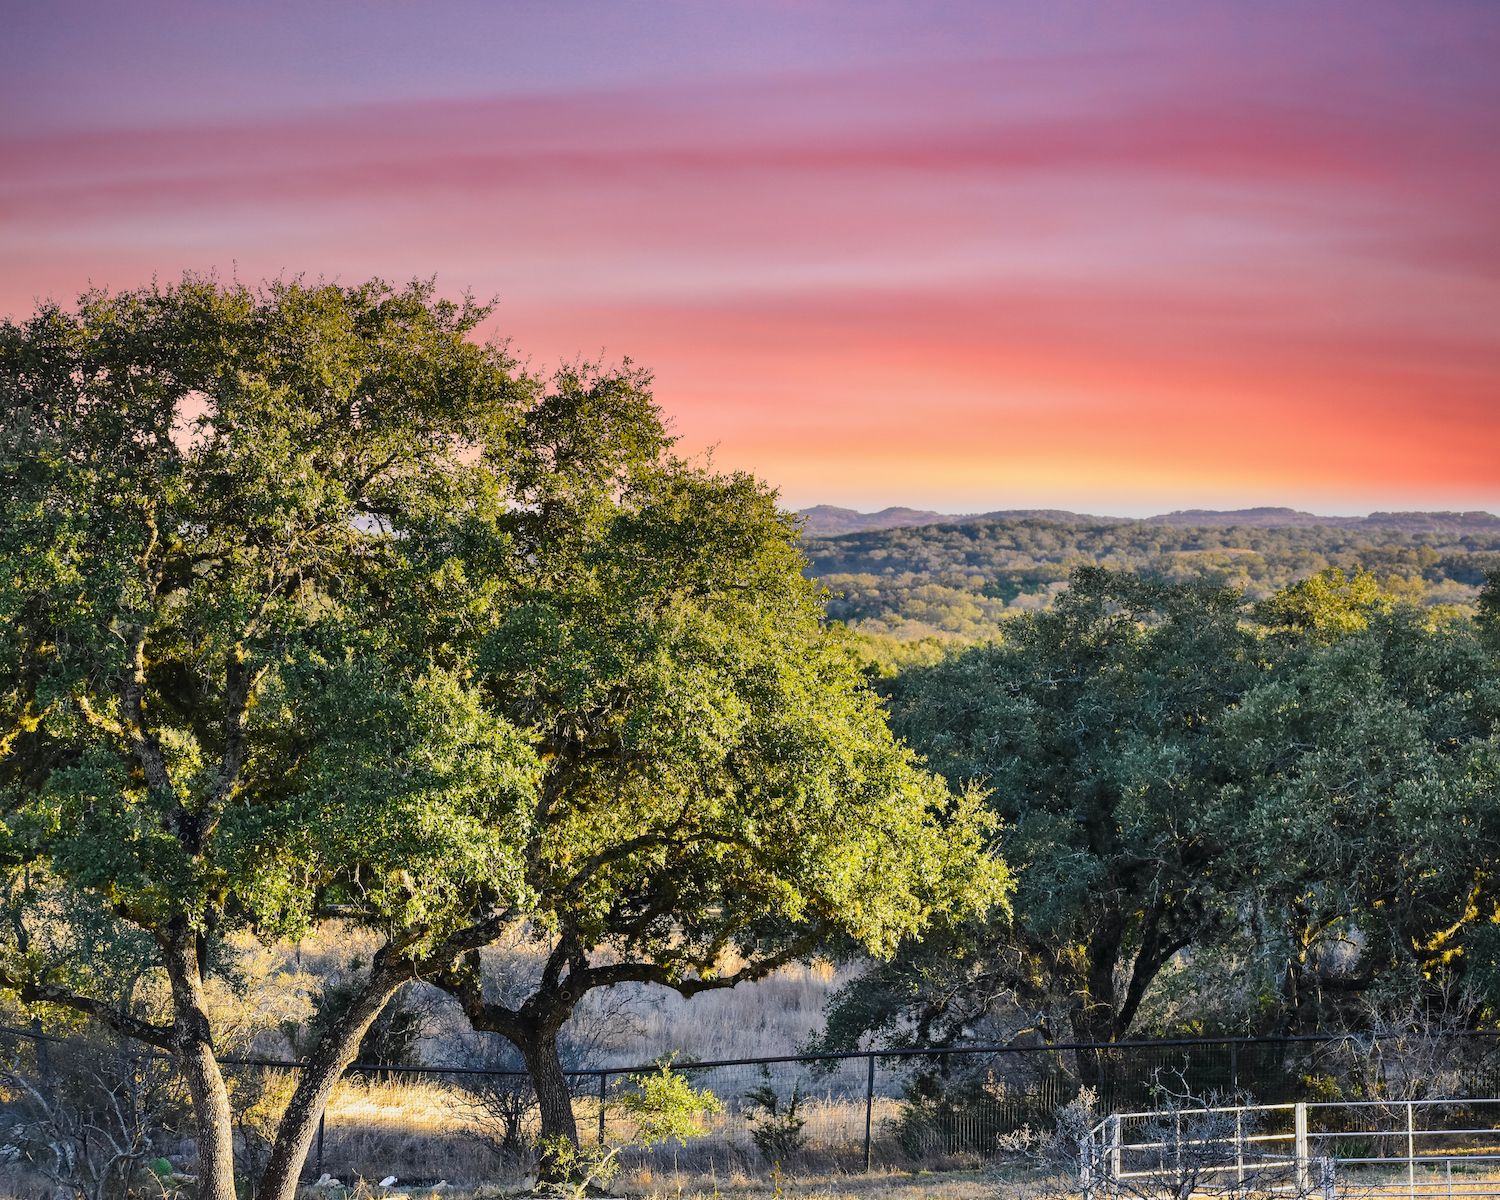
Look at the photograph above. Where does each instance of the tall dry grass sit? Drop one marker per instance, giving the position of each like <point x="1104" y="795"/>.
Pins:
<point x="775" y="1015"/>
<point x="428" y="1127"/>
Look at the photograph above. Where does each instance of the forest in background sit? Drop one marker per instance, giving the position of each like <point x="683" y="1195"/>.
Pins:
<point x="956" y="579"/>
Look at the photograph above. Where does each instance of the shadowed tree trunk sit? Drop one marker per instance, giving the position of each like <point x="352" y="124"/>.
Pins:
<point x="533" y="1029"/>
<point x="538" y="1047"/>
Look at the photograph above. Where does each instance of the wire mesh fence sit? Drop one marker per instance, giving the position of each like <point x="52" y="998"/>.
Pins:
<point x="853" y="1111"/>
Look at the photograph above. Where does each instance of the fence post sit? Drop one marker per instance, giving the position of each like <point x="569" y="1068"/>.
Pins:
<point x="869" y="1110"/>
<point x="1411" y="1149"/>
<point x="1330" y="1180"/>
<point x="318" y="1162"/>
<point x="1086" y="1164"/>
<point x="603" y="1091"/>
<point x="1234" y="1068"/>
<point x="1239" y="1145"/>
<point x="1116" y="1149"/>
<point x="1300" y="1147"/>
<point x="1177" y="1145"/>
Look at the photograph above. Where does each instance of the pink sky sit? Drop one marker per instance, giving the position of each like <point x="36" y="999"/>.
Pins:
<point x="1117" y="258"/>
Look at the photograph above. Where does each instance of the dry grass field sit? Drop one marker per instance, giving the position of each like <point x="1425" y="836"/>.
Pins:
<point x="884" y="1185"/>
<point x="775" y="1015"/>
<point x="880" y="1185"/>
<point x="426" y="1129"/>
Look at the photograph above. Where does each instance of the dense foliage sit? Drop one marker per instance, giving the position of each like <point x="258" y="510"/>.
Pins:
<point x="718" y="781"/>
<point x="1273" y="817"/>
<point x="232" y="694"/>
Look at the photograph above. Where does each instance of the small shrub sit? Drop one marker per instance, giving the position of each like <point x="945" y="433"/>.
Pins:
<point x="776" y="1128"/>
<point x="966" y="1114"/>
<point x="660" y="1105"/>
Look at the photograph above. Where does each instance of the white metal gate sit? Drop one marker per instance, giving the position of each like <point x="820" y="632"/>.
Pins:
<point x="1381" y="1148"/>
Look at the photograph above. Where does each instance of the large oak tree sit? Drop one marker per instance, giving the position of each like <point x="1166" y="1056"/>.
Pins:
<point x="720" y="793"/>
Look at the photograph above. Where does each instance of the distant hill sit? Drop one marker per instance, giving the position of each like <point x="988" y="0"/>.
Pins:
<point x="827" y="520"/>
<point x="1418" y="522"/>
<point x="1255" y="518"/>
<point x="1284" y="518"/>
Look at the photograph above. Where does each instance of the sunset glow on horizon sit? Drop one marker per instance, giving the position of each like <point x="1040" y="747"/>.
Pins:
<point x="966" y="257"/>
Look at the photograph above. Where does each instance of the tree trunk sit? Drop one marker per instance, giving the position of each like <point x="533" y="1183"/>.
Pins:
<point x="1095" y="1004"/>
<point x="1091" y="1023"/>
<point x="538" y="1047"/>
<point x="193" y="1045"/>
<point x="1094" y="1019"/>
<point x="334" y="1052"/>
<point x="1296" y="997"/>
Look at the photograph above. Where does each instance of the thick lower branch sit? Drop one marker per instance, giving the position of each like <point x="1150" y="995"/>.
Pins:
<point x="335" y="1050"/>
<point x="32" y="992"/>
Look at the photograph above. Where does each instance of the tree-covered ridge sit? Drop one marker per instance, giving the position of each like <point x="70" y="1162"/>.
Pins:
<point x="827" y="520"/>
<point x="960" y="578"/>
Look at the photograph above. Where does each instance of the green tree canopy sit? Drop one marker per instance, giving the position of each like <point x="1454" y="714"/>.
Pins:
<point x="720" y="792"/>
<point x="1090" y="727"/>
<point x="1489" y="604"/>
<point x="1292" y="806"/>
<point x="1363" y="789"/>
<point x="229" y="697"/>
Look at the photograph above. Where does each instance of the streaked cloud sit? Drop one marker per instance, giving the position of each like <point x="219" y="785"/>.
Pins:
<point x="1122" y="274"/>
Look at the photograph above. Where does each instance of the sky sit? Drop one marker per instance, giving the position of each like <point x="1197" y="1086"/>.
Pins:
<point x="1112" y="257"/>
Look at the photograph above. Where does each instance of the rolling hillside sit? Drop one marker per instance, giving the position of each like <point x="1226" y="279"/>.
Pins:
<point x="960" y="576"/>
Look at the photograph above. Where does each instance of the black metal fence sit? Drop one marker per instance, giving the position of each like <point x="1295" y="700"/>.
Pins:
<point x="804" y="1112"/>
